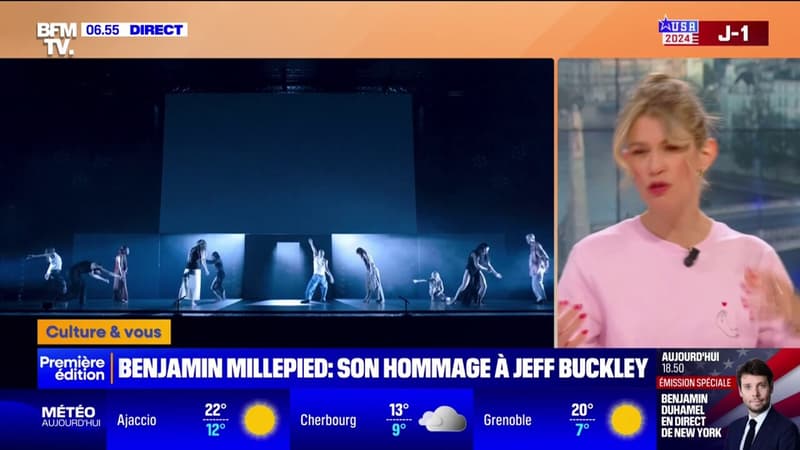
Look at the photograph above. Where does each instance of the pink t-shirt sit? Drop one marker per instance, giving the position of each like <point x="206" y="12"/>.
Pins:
<point x="637" y="292"/>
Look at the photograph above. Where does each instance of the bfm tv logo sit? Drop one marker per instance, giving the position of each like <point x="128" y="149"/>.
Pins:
<point x="57" y="36"/>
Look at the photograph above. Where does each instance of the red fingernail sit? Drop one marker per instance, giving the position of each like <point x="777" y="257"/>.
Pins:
<point x="578" y="307"/>
<point x="563" y="302"/>
<point x="585" y="332"/>
<point x="582" y="316"/>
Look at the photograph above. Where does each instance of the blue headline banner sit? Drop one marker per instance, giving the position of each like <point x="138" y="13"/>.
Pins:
<point x="79" y="368"/>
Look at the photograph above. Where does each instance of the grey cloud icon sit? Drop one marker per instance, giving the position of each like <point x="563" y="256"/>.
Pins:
<point x="444" y="418"/>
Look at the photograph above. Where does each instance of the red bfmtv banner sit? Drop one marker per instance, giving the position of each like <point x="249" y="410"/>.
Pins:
<point x="734" y="33"/>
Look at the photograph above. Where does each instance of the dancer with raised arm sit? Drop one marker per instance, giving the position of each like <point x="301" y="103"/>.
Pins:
<point x="320" y="276"/>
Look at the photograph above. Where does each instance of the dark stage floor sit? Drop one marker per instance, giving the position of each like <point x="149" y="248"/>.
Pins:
<point x="390" y="307"/>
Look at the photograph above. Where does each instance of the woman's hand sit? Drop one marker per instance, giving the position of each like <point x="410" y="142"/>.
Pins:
<point x="570" y="322"/>
<point x="770" y="297"/>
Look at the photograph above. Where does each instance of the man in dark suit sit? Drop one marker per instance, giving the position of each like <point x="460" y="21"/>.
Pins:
<point x="763" y="428"/>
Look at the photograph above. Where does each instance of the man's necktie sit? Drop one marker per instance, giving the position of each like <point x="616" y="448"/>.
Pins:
<point x="751" y="434"/>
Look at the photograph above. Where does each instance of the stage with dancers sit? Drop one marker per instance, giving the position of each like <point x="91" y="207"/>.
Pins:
<point x="280" y="188"/>
<point x="274" y="274"/>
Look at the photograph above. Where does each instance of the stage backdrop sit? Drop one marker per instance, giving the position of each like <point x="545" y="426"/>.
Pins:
<point x="302" y="163"/>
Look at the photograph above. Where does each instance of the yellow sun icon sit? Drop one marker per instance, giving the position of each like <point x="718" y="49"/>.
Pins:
<point x="626" y="419"/>
<point x="259" y="420"/>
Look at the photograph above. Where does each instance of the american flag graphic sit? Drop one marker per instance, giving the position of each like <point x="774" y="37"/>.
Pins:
<point x="725" y="406"/>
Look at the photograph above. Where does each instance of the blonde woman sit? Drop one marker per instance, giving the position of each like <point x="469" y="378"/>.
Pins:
<point x="672" y="276"/>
